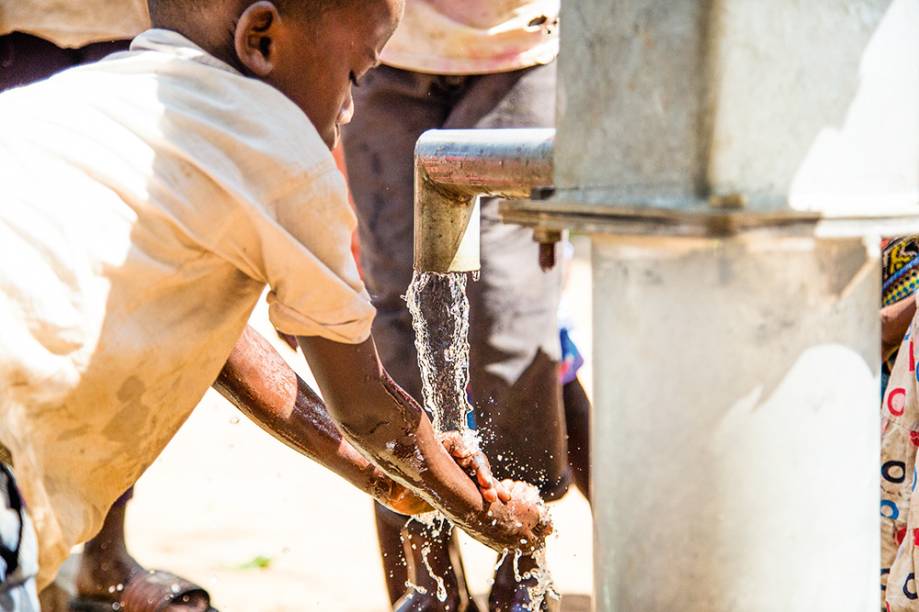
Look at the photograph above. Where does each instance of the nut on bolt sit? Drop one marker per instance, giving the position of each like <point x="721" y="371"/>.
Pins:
<point x="547" y="240"/>
<point x="727" y="201"/>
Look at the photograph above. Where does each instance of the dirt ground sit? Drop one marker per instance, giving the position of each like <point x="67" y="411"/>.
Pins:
<point x="265" y="529"/>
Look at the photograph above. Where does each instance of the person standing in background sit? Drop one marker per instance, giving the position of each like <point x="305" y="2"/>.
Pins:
<point x="465" y="64"/>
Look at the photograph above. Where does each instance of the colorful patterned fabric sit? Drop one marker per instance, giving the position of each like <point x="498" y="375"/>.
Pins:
<point x="899" y="280"/>
<point x="899" y="502"/>
<point x="900" y="274"/>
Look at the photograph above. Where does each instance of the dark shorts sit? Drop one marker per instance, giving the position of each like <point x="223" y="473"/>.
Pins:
<point x="513" y="326"/>
<point x="25" y="58"/>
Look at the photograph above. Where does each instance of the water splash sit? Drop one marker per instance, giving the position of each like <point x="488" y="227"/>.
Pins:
<point x="435" y="524"/>
<point x="441" y="586"/>
<point x="418" y="589"/>
<point x="501" y="559"/>
<point x="539" y="580"/>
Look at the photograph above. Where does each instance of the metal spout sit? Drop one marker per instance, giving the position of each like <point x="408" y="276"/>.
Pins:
<point x="452" y="169"/>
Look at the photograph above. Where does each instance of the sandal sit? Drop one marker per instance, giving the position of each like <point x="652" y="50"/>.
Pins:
<point x="151" y="591"/>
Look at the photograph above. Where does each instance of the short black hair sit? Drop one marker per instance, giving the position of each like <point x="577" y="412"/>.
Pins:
<point x="184" y="16"/>
<point x="168" y="10"/>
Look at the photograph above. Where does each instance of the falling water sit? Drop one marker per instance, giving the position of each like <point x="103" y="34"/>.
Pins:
<point x="440" y="318"/>
<point x="542" y="585"/>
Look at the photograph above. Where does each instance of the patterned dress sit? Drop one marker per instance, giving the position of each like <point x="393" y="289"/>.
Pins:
<point x="899" y="501"/>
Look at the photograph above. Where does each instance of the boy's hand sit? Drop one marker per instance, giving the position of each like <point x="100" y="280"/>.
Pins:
<point x="470" y="457"/>
<point x="525" y="513"/>
<point x="514" y="507"/>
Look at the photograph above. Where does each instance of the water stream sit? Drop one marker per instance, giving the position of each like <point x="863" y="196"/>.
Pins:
<point x="440" y="318"/>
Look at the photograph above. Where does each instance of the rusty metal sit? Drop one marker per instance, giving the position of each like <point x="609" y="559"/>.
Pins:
<point x="547" y="240"/>
<point x="453" y="168"/>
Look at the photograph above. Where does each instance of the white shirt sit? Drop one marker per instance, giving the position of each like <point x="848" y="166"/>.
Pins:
<point x="145" y="202"/>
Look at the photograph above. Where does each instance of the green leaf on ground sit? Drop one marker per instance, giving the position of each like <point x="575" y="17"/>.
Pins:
<point x="260" y="562"/>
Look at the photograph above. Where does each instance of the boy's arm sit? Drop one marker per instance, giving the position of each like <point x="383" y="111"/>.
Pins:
<point x="392" y="429"/>
<point x="258" y="381"/>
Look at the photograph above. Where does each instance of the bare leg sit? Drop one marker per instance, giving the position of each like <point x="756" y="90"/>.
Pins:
<point x="434" y="567"/>
<point x="106" y="566"/>
<point x="577" y="418"/>
<point x="509" y="595"/>
<point x="105" y="562"/>
<point x="395" y="572"/>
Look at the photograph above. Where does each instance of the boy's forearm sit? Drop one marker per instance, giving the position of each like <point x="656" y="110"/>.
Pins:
<point x="390" y="427"/>
<point x="258" y="381"/>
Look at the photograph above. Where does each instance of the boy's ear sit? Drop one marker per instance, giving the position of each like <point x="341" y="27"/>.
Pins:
<point x="255" y="37"/>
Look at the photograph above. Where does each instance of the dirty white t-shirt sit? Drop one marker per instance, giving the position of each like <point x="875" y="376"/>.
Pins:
<point x="145" y="202"/>
<point x="474" y="36"/>
<point x="75" y="23"/>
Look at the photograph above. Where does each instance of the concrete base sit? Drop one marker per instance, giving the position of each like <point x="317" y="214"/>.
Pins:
<point x="736" y="426"/>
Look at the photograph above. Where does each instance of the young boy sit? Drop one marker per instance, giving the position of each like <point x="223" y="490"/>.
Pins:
<point x="146" y="201"/>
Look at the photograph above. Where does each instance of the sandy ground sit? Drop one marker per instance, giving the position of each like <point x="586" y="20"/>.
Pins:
<point x="265" y="529"/>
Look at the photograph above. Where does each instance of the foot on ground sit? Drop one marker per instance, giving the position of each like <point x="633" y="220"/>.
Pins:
<point x="113" y="580"/>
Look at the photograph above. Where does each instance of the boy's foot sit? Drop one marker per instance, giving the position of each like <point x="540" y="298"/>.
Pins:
<point x="509" y="595"/>
<point x="118" y="582"/>
<point x="104" y="573"/>
<point x="109" y="578"/>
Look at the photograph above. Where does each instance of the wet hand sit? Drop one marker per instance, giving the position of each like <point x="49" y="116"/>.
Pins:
<point x="525" y="515"/>
<point x="469" y="456"/>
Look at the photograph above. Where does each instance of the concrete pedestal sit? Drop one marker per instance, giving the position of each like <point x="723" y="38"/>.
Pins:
<point x="735" y="433"/>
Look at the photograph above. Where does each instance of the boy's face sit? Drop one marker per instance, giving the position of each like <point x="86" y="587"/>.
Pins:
<point x="314" y="62"/>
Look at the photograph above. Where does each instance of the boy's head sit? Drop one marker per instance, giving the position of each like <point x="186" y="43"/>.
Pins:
<point x="311" y="50"/>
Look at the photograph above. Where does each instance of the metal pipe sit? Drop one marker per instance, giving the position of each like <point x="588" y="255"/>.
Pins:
<point x="452" y="169"/>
